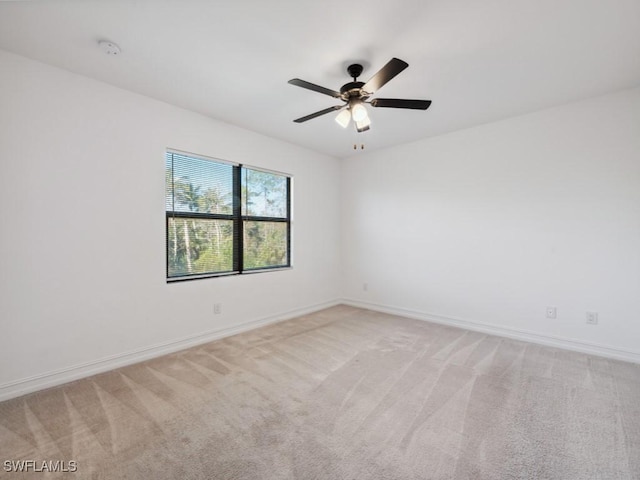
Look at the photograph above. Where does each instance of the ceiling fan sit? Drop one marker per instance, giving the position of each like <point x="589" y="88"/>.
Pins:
<point x="356" y="94"/>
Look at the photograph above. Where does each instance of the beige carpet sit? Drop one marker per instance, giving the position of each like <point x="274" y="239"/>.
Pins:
<point x="341" y="394"/>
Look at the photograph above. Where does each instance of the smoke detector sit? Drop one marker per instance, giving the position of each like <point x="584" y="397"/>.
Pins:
<point x="109" y="48"/>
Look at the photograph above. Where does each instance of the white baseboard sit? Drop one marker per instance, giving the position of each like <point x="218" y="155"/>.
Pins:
<point x="548" y="340"/>
<point x="76" y="372"/>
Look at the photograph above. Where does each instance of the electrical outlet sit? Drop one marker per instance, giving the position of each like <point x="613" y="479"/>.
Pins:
<point x="551" y="312"/>
<point x="592" y="318"/>
<point x="365" y="287"/>
<point x="217" y="308"/>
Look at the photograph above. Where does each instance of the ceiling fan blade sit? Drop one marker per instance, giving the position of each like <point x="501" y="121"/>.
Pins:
<point x="400" y="103"/>
<point x="312" y="86"/>
<point x="317" y="114"/>
<point x="386" y="73"/>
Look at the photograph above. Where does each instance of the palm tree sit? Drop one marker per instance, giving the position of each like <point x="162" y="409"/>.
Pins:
<point x="214" y="202"/>
<point x="187" y="194"/>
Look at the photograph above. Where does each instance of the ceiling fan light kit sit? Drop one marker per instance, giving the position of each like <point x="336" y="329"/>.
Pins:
<point x="343" y="118"/>
<point x="358" y="112"/>
<point x="356" y="94"/>
<point x="363" y="125"/>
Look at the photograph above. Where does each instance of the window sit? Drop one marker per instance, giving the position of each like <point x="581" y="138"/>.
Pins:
<point x="224" y="218"/>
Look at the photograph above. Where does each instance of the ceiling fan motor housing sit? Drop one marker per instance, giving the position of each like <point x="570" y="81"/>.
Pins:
<point x="353" y="89"/>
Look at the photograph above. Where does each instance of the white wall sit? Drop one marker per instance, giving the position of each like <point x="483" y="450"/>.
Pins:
<point x="82" y="249"/>
<point x="487" y="226"/>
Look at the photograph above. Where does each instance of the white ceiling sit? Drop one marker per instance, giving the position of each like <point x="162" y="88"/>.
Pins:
<point x="477" y="60"/>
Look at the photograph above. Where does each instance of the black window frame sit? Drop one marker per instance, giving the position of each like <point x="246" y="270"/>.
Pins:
<point x="236" y="217"/>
